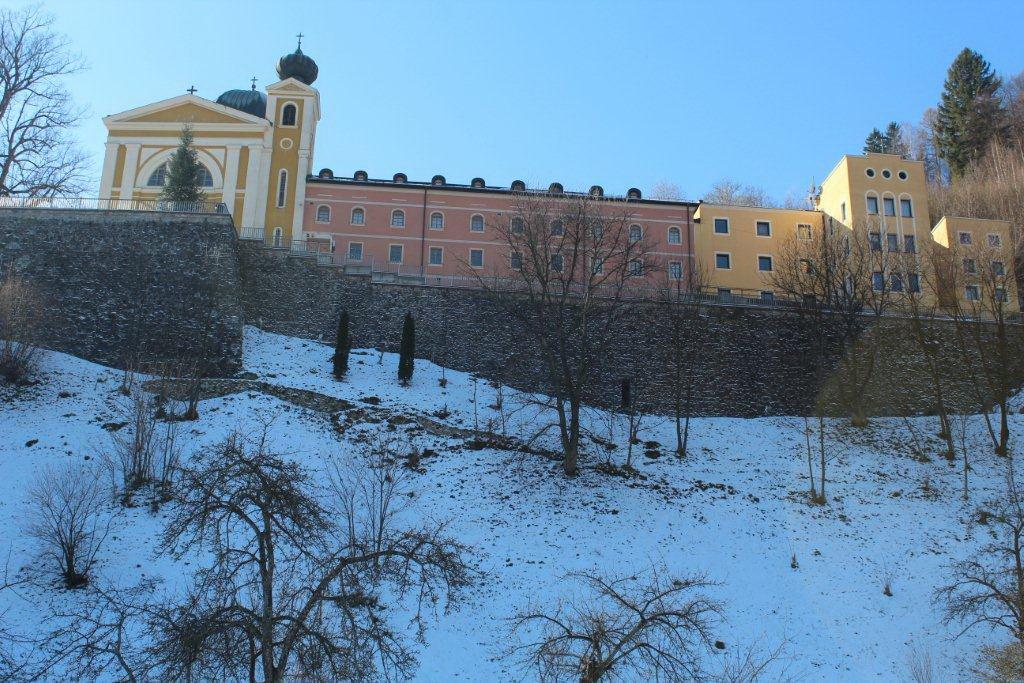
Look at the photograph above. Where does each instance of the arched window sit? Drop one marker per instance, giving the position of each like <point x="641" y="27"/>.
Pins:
<point x="282" y="187"/>
<point x="323" y="214"/>
<point x="398" y="218"/>
<point x="288" y="115"/>
<point x="675" y="236"/>
<point x="205" y="177"/>
<point x="437" y="221"/>
<point x="358" y="216"/>
<point x="636" y="233"/>
<point x="158" y="178"/>
<point x="277" y="237"/>
<point x="557" y="228"/>
<point x="476" y="223"/>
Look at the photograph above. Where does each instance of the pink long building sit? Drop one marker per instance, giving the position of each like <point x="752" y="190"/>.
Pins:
<point x="438" y="232"/>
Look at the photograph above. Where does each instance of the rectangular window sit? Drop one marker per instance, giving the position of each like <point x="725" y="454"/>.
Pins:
<point x="515" y="260"/>
<point x="998" y="269"/>
<point x="436" y="256"/>
<point x="995" y="240"/>
<point x="971" y="293"/>
<point x="906" y="208"/>
<point x="1001" y="295"/>
<point x="764" y="229"/>
<point x="873" y="206"/>
<point x="636" y="267"/>
<point x="764" y="264"/>
<point x="597" y="266"/>
<point x="970" y="267"/>
<point x="965" y="238"/>
<point x="556" y="263"/>
<point x="436" y="221"/>
<point x="724" y="291"/>
<point x="896" y="282"/>
<point x="803" y="231"/>
<point x="877" y="281"/>
<point x="476" y="258"/>
<point x="721" y="226"/>
<point x="675" y="270"/>
<point x="909" y="244"/>
<point x="890" y="206"/>
<point x="892" y="242"/>
<point x="476" y="223"/>
<point x="767" y="297"/>
<point x="842" y="210"/>
<point x="395" y="253"/>
<point x="355" y="251"/>
<point x="875" y="239"/>
<point x="722" y="261"/>
<point x="913" y="282"/>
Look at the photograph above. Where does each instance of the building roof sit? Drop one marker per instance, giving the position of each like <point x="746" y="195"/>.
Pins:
<point x="250" y="101"/>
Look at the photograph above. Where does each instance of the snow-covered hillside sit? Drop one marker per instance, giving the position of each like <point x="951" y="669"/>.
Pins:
<point x="735" y="510"/>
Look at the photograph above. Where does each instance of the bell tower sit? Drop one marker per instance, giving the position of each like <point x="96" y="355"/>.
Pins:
<point x="293" y="108"/>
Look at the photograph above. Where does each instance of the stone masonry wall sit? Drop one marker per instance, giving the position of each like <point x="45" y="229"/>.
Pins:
<point x="125" y="288"/>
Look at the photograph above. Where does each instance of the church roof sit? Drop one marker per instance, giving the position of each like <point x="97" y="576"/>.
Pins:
<point x="250" y="101"/>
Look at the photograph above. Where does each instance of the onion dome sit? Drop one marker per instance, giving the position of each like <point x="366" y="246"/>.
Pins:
<point x="250" y="101"/>
<point x="298" y="66"/>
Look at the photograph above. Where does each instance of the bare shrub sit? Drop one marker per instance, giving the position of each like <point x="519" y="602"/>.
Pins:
<point x="66" y="518"/>
<point x="920" y="668"/>
<point x="130" y="455"/>
<point x="1003" y="664"/>
<point x="752" y="663"/>
<point x="20" y="315"/>
<point x="649" y="628"/>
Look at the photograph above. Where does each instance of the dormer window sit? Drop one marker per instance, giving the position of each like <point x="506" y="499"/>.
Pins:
<point x="288" y="115"/>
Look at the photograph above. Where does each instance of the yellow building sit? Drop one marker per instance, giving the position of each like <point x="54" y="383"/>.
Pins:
<point x="255" y="148"/>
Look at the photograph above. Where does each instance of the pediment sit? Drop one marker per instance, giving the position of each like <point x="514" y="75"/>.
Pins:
<point x="182" y="109"/>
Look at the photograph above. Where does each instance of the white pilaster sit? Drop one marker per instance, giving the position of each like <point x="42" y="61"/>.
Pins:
<point x="253" y="183"/>
<point x="300" y="194"/>
<point x="107" y="177"/>
<point x="231" y="179"/>
<point x="131" y="163"/>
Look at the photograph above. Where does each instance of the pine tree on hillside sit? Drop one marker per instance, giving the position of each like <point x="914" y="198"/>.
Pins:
<point x="875" y="142"/>
<point x="894" y="142"/>
<point x="342" y="345"/>
<point x="184" y="172"/>
<point x="407" y="350"/>
<point x="969" y="111"/>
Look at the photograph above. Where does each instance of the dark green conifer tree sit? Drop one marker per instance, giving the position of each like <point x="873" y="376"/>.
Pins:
<point x="184" y="172"/>
<point x="969" y="112"/>
<point x="342" y="345"/>
<point x="407" y="351"/>
<point x="875" y="142"/>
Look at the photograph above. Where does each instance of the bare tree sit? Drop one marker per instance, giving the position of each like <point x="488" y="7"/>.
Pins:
<point x="649" y="628"/>
<point x="20" y="317"/>
<point x="67" y="519"/>
<point x="665" y="190"/>
<point x="573" y="262"/>
<point x="38" y="157"/>
<point x="730" y="192"/>
<point x="290" y="593"/>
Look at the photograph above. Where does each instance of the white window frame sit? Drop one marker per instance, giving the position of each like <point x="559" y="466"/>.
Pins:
<point x="323" y="206"/>
<point x="483" y="223"/>
<point x="960" y="237"/>
<point x="362" y="251"/>
<point x="278" y="237"/>
<point x="728" y="255"/>
<point x="768" y="223"/>
<point x="284" y="106"/>
<point x="639" y="228"/>
<point x="714" y="225"/>
<point x="679" y="266"/>
<point x="799" y="232"/>
<point x="396" y="212"/>
<point x="401" y="261"/>
<point x="771" y="262"/>
<point x="282" y="188"/>
<point x="430" y="220"/>
<point x="430" y="259"/>
<point x="678" y="231"/>
<point x="998" y="244"/>
<point x="972" y="288"/>
<point x="352" y="215"/>
<point x="476" y="251"/>
<point x="511" y="264"/>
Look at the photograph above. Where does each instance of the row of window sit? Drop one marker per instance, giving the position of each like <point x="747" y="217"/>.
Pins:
<point x="994" y="239"/>
<point x="762" y="228"/>
<point x="973" y="293"/>
<point x="971" y="267"/>
<point x="723" y="261"/>
<point x="886" y="173"/>
<point x="896" y="282"/>
<point x="892" y="242"/>
<point x="889" y="206"/>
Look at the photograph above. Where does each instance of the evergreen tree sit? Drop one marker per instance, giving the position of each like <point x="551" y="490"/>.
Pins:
<point x="342" y="345"/>
<point x="969" y="111"/>
<point x="407" y="350"/>
<point x="894" y="142"/>
<point x="875" y="142"/>
<point x="184" y="180"/>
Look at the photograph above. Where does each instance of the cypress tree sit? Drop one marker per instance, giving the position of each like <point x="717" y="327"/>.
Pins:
<point x="407" y="350"/>
<point x="969" y="111"/>
<point x="342" y="345"/>
<point x="184" y="183"/>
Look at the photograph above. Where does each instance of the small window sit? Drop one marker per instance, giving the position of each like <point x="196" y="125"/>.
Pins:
<point x="476" y="223"/>
<point x="995" y="240"/>
<point x="517" y="226"/>
<point x="675" y="270"/>
<point x="906" y="208"/>
<point x="722" y="261"/>
<point x="205" y="177"/>
<point x="892" y="242"/>
<point x="890" y="206"/>
<point x="597" y="231"/>
<point x="515" y="260"/>
<point x="1001" y="295"/>
<point x="913" y="283"/>
<point x="436" y="256"/>
<point x="636" y="267"/>
<point x="842" y="210"/>
<point x="768" y="296"/>
<point x="966" y="238"/>
<point x="556" y="263"/>
<point x="902" y="175"/>
<point x="358" y="217"/>
<point x="675" y="235"/>
<point x="288" y="115"/>
<point x="896" y="282"/>
<point x="597" y="266"/>
<point x="875" y="239"/>
<point x="971" y="293"/>
<point x="970" y="267"/>
<point x="877" y="281"/>
<point x="557" y="228"/>
<point x="803" y="231"/>
<point x="724" y="291"/>
<point x="869" y="172"/>
<point x="323" y="214"/>
<point x="764" y="264"/>
<point x="808" y="265"/>
<point x="764" y="229"/>
<point x="636" y="233"/>
<point x="998" y="269"/>
<point x="437" y="221"/>
<point x="282" y="188"/>
<point x="277" y="237"/>
<point x="395" y="253"/>
<point x="873" y="205"/>
<point x="398" y="218"/>
<point x="158" y="178"/>
<point x="909" y="244"/>
<point x="721" y="226"/>
<point x="355" y="251"/>
<point x="476" y="258"/>
<point x="886" y="173"/>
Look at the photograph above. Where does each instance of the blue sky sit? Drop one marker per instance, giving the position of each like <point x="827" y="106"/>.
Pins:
<point x="621" y="94"/>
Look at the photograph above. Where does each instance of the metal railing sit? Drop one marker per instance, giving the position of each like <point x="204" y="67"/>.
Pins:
<point x="96" y="204"/>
